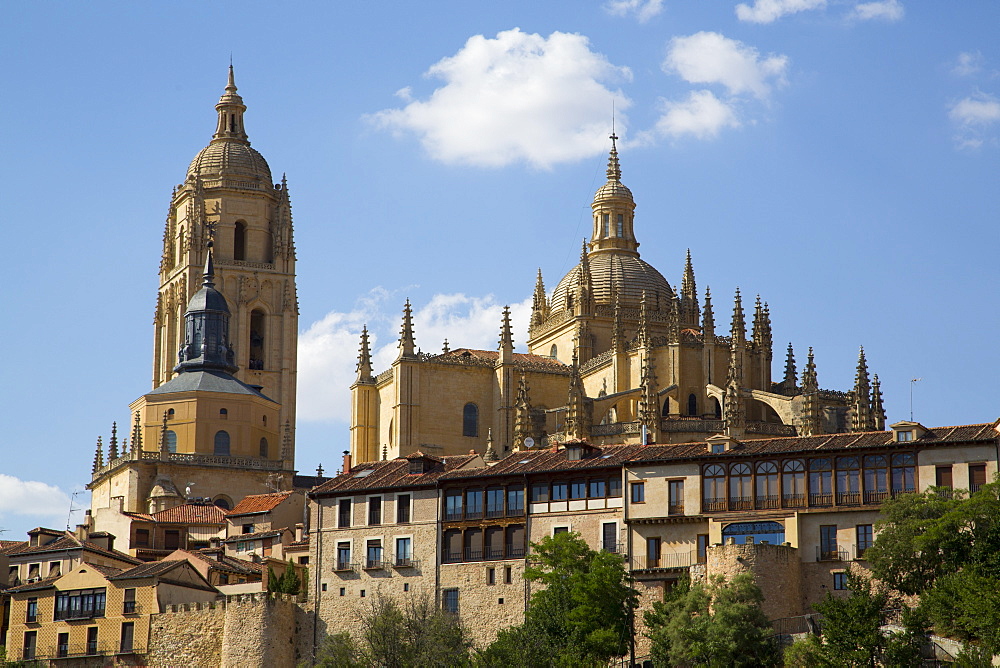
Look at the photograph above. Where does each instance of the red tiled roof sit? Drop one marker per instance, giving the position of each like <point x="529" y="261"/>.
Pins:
<point x="539" y="461"/>
<point x="10" y="544"/>
<point x="218" y="560"/>
<point x="147" y="570"/>
<point x="68" y="542"/>
<point x="390" y="474"/>
<point x="106" y="571"/>
<point x="32" y="586"/>
<point x="191" y="513"/>
<point x="259" y="503"/>
<point x="257" y="535"/>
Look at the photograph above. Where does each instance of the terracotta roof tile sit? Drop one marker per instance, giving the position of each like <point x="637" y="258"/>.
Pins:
<point x="191" y="513"/>
<point x="47" y="583"/>
<point x="147" y="570"/>
<point x="544" y="461"/>
<point x="390" y="474"/>
<point x="255" y="536"/>
<point x="218" y="560"/>
<point x="258" y="503"/>
<point x="68" y="542"/>
<point x="10" y="544"/>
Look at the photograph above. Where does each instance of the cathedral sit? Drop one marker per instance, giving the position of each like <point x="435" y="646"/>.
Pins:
<point x="219" y="421"/>
<point x="615" y="356"/>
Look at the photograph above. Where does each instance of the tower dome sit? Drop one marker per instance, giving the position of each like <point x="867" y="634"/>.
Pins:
<point x="229" y="154"/>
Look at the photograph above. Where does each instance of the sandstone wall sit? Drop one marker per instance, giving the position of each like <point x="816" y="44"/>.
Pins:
<point x="775" y="568"/>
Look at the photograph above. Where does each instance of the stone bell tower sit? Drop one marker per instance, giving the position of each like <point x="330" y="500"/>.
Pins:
<point x="228" y="197"/>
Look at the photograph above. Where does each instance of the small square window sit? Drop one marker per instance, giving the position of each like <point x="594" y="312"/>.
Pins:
<point x="324" y="586"/>
<point x="903" y="436"/>
<point x="499" y="601"/>
<point x="406" y="586"/>
<point x="840" y="581"/>
<point x="362" y="593"/>
<point x="343" y="591"/>
<point x="718" y="448"/>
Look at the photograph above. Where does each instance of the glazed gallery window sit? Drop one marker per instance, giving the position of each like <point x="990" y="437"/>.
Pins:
<point x="470" y="420"/>
<point x="222" y="443"/>
<point x="80" y="604"/>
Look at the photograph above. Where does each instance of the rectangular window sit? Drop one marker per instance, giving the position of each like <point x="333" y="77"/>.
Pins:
<point x="453" y="505"/>
<point x="865" y="538"/>
<point x="80" y="604"/>
<point x="62" y="645"/>
<point x="248" y="528"/>
<point x="558" y="530"/>
<point x="171" y="539"/>
<point x="574" y="453"/>
<point x="343" y="556"/>
<point x="404" y="552"/>
<point x="578" y="489"/>
<point x="416" y="467"/>
<point x="374" y="510"/>
<point x="474" y="503"/>
<point x="31" y="614"/>
<point x="840" y="580"/>
<point x="54" y="568"/>
<point x="508" y="574"/>
<point x="34" y="571"/>
<point x="515" y="501"/>
<point x="675" y="497"/>
<point x="702" y="548"/>
<point x="977" y="476"/>
<point x="473" y="544"/>
<point x="606" y="221"/>
<point x="609" y="537"/>
<point x="615" y="488"/>
<point x="92" y="640"/>
<point x="903" y="436"/>
<point x="128" y="633"/>
<point x="942" y="476"/>
<point x="621" y="225"/>
<point x="452" y="545"/>
<point x="828" y="542"/>
<point x="403" y="509"/>
<point x="560" y="491"/>
<point x="540" y="492"/>
<point x="29" y="644"/>
<point x="652" y="552"/>
<point x="449" y="601"/>
<point x="373" y="554"/>
<point x="515" y="541"/>
<point x="494" y="502"/>
<point x="344" y="513"/>
<point x="491" y="576"/>
<point x="129" y="604"/>
<point x="597" y="489"/>
<point x="638" y="492"/>
<point x="494" y="543"/>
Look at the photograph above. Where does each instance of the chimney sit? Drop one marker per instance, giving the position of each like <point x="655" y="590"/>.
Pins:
<point x="347" y="461"/>
<point x="298" y="532"/>
<point x="102" y="539"/>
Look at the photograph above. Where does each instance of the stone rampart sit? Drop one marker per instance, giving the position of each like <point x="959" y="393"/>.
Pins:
<point x="775" y="568"/>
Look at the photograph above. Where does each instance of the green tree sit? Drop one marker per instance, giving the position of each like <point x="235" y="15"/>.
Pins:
<point x="413" y="635"/>
<point x="807" y="653"/>
<point x="338" y="650"/>
<point x="718" y="624"/>
<point x="581" y="616"/>
<point x="288" y="583"/>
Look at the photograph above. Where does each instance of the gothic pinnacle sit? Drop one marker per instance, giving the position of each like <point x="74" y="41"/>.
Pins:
<point x="364" y="367"/>
<point x="98" y="456"/>
<point x="617" y="332"/>
<point x="539" y="303"/>
<point x="643" y="321"/>
<point x="614" y="169"/>
<point x="877" y="406"/>
<point x="790" y="374"/>
<point x="113" y="443"/>
<point x="708" y="318"/>
<point x="861" y="414"/>
<point x="809" y="380"/>
<point x="137" y="434"/>
<point x="163" y="435"/>
<point x="506" y="336"/>
<point x="407" y="345"/>
<point x="738" y="328"/>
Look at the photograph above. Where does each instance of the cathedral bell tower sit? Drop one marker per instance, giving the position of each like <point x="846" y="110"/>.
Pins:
<point x="229" y="198"/>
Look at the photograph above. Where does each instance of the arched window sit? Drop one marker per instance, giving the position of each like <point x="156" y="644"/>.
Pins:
<point x="223" y="502"/>
<point x="717" y="408"/>
<point x="767" y="485"/>
<point x="222" y="443"/>
<point x="171" y="438"/>
<point x="553" y="351"/>
<point x="223" y="414"/>
<point x="470" y="420"/>
<point x="240" y="241"/>
<point x="714" y="488"/>
<point x="621" y="225"/>
<point x="755" y="532"/>
<point x="820" y="482"/>
<point x="903" y="472"/>
<point x="257" y="338"/>
<point x="740" y="487"/>
<point x="606" y="220"/>
<point x="170" y="413"/>
<point x="263" y="447"/>
<point x="692" y="405"/>
<point x="793" y="483"/>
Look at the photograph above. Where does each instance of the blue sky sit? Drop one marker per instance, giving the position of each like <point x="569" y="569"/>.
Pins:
<point x="839" y="158"/>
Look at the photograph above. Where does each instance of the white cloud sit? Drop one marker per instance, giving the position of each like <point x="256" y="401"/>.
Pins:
<point x="328" y="349"/>
<point x="701" y="115"/>
<point x="968" y="63"/>
<point x="768" y="11"/>
<point x="643" y="9"/>
<point x="883" y="10"/>
<point x="980" y="110"/>
<point x="711" y="58"/>
<point x="516" y="97"/>
<point x="29" y="498"/>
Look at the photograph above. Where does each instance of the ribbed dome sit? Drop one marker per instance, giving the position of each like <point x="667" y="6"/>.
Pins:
<point x="623" y="273"/>
<point x="230" y="158"/>
<point x="208" y="299"/>
<point x="612" y="189"/>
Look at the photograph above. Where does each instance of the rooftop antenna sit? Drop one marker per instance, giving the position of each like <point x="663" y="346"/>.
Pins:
<point x="912" y="381"/>
<point x="72" y="499"/>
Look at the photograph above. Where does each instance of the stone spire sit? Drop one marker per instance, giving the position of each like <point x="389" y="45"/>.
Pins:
<point x="617" y="330"/>
<point x="734" y="408"/>
<point x="811" y="409"/>
<point x="364" y="367"/>
<point x="407" y="344"/>
<point x="878" y="409"/>
<point x="643" y="334"/>
<point x="230" y="109"/>
<point x="708" y="319"/>
<point x="614" y="171"/>
<point x="648" y="401"/>
<point x="790" y="372"/>
<point x="206" y="328"/>
<point x="577" y="425"/>
<point x="522" y="414"/>
<point x="98" y="456"/>
<point x="506" y="345"/>
<point x="762" y="330"/>
<point x="584" y="299"/>
<point x="286" y="440"/>
<point x="539" y="303"/>
<point x="164" y="449"/>
<point x="613" y="208"/>
<point x="690" y="314"/>
<point x="136" y="435"/>
<point x="113" y="443"/>
<point x="861" y="410"/>
<point x="490" y="455"/>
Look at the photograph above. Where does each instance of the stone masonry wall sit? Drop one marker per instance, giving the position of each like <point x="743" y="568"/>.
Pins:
<point x="775" y="568"/>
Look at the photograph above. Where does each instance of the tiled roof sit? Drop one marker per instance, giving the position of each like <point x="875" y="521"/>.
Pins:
<point x="255" y="536"/>
<point x="389" y="474"/>
<point x="489" y="357"/>
<point x="32" y="586"/>
<point x="541" y="461"/>
<point x="258" y="503"/>
<point x="6" y="545"/>
<point x="68" y="542"/>
<point x="192" y="513"/>
<point x="218" y="560"/>
<point x="308" y="481"/>
<point x="147" y="570"/>
<point x="106" y="571"/>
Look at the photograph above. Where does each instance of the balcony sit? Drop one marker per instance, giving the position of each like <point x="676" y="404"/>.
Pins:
<point x="675" y="509"/>
<point x="131" y="608"/>
<point x="79" y="614"/>
<point x="740" y="503"/>
<point x="405" y="562"/>
<point x="831" y="554"/>
<point x="876" y="497"/>
<point x="793" y="501"/>
<point x="453" y="515"/>
<point x="614" y="548"/>
<point x="492" y="513"/>
<point x="710" y="505"/>
<point x="663" y="562"/>
<point x="848" y="498"/>
<point x="344" y="566"/>
<point x="769" y="502"/>
<point x="820" y="500"/>
<point x="375" y="565"/>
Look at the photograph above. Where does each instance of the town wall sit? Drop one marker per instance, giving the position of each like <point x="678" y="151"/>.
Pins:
<point x="776" y="569"/>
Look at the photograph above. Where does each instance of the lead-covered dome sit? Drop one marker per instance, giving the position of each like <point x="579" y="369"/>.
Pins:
<point x="230" y="158"/>
<point x="621" y="273"/>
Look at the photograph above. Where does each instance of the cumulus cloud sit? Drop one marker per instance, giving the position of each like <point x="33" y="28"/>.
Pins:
<point x="768" y="11"/>
<point x="518" y="97"/>
<point x="883" y="10"/>
<point x="642" y="9"/>
<point x="976" y="111"/>
<point x="47" y="504"/>
<point x="711" y="58"/>
<point x="328" y="349"/>
<point x="701" y="115"/>
<point x="967" y="64"/>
